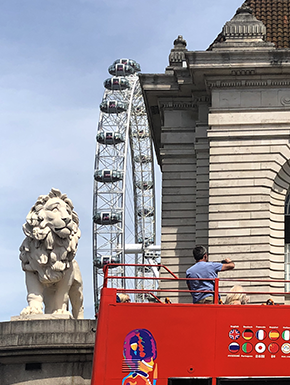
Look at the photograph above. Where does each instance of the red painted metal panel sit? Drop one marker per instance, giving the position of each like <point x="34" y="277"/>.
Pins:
<point x="192" y="340"/>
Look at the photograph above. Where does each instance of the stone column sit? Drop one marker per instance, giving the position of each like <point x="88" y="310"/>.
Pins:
<point x="179" y="186"/>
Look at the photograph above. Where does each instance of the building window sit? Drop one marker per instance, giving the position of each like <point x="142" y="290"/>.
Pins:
<point x="33" y="366"/>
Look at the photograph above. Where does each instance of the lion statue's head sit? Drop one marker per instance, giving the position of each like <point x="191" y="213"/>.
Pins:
<point x="52" y="234"/>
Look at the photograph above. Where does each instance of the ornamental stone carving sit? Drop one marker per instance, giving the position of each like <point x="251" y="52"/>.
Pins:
<point x="177" y="54"/>
<point x="47" y="254"/>
<point x="244" y="31"/>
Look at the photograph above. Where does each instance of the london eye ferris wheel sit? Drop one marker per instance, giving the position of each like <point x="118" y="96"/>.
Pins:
<point x="124" y="210"/>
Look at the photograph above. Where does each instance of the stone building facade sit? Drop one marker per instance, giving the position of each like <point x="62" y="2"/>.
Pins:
<point x="220" y="121"/>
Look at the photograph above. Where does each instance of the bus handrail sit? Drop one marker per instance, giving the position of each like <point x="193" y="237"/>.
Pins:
<point x="174" y="277"/>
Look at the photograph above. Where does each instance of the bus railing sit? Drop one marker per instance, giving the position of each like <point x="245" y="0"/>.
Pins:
<point x="174" y="278"/>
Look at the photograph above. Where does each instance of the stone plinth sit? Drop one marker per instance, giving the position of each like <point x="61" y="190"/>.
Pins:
<point x="46" y="352"/>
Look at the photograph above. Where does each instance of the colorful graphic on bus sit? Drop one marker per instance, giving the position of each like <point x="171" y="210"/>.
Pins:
<point x="247" y="347"/>
<point x="285" y="348"/>
<point x="260" y="334"/>
<point x="248" y="334"/>
<point x="139" y="353"/>
<point x="234" y="347"/>
<point x="273" y="348"/>
<point x="234" y="334"/>
<point x="274" y="335"/>
<point x="286" y="335"/>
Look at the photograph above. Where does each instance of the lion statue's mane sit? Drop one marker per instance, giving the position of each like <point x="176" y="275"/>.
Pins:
<point x="48" y="251"/>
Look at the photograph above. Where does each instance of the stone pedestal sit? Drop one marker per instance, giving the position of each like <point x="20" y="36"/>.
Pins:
<point x="46" y="352"/>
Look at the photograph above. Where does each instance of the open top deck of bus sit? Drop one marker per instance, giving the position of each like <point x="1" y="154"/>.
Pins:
<point x="190" y="344"/>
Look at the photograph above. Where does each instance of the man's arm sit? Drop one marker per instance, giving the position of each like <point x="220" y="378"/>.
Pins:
<point x="228" y="265"/>
<point x="188" y="282"/>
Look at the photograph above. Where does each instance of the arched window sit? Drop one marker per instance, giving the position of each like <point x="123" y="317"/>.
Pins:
<point x="287" y="241"/>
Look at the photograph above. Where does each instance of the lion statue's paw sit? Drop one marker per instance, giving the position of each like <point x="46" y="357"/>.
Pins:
<point x="61" y="311"/>
<point x="31" y="310"/>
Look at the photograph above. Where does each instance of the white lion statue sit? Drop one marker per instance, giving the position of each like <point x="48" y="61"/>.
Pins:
<point x="47" y="253"/>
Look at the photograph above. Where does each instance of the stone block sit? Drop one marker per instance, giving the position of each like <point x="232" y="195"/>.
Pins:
<point x="167" y="255"/>
<point x="240" y="158"/>
<point x="237" y="240"/>
<point x="177" y="167"/>
<point x="177" y="237"/>
<point x="278" y="195"/>
<point x="177" y="138"/>
<point x="231" y="183"/>
<point x="181" y="221"/>
<point x="220" y="199"/>
<point x="187" y="244"/>
<point x="178" y="182"/>
<point x="179" y="160"/>
<point x="176" y="176"/>
<point x="179" y="118"/>
<point x="176" y="230"/>
<point x="170" y="214"/>
<point x="248" y="118"/>
<point x="177" y="190"/>
<point x="236" y="232"/>
<point x="59" y="351"/>
<point x="248" y="166"/>
<point x="241" y="207"/>
<point x="215" y="217"/>
<point x="184" y="198"/>
<point x="245" y="149"/>
<point x="248" y="191"/>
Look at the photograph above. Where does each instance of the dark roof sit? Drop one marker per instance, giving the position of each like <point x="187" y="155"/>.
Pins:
<point x="275" y="14"/>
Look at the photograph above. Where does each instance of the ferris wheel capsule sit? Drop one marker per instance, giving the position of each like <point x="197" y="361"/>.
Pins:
<point x="141" y="134"/>
<point x="143" y="159"/>
<point x="113" y="106"/>
<point x="107" y="176"/>
<point x="121" y="70"/>
<point x="146" y="241"/>
<point x="107" y="218"/>
<point x="100" y="262"/>
<point x="110" y="137"/>
<point x="116" y="83"/>
<point x="145" y="185"/>
<point x="146" y="212"/>
<point x="129" y="62"/>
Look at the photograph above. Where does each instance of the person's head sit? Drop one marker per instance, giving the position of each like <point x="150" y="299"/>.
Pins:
<point x="199" y="252"/>
<point x="124" y="297"/>
<point x="236" y="297"/>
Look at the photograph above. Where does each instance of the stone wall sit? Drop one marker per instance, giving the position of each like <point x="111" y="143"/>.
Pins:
<point x="248" y="180"/>
<point x="46" y="352"/>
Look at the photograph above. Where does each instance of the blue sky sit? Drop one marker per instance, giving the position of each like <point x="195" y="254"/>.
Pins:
<point x="54" y="59"/>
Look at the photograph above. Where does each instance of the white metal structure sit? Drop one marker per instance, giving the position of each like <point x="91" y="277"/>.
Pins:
<point x="124" y="200"/>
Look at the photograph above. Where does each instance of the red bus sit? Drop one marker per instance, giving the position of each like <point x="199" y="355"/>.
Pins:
<point x="157" y="343"/>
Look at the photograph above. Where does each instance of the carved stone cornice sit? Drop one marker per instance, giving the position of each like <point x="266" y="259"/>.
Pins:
<point x="201" y="99"/>
<point x="178" y="104"/>
<point x="247" y="83"/>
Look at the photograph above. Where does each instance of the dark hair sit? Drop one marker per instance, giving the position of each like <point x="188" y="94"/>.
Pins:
<point x="199" y="252"/>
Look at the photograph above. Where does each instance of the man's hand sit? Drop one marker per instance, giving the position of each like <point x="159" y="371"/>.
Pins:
<point x="227" y="264"/>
